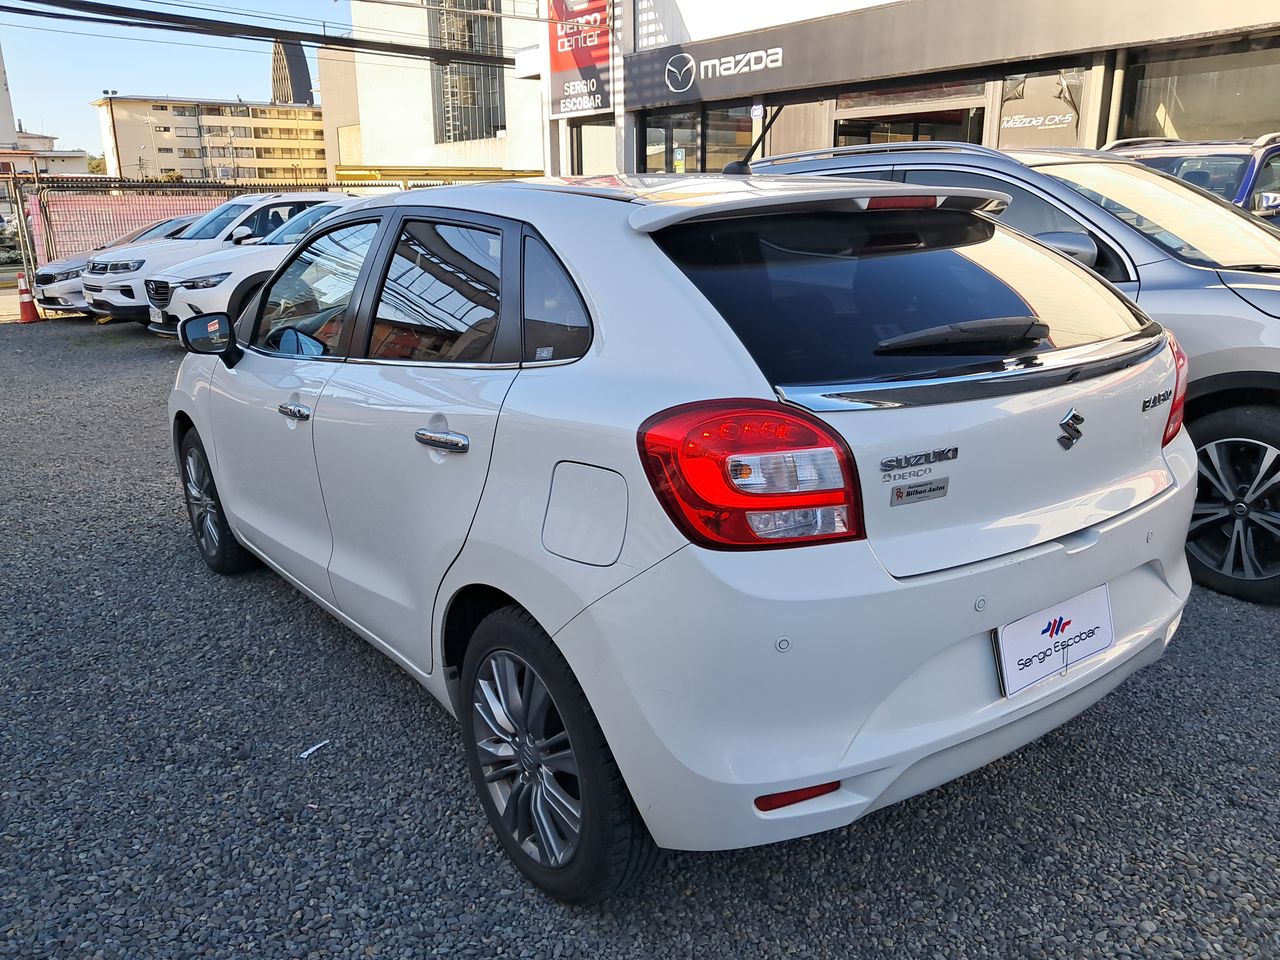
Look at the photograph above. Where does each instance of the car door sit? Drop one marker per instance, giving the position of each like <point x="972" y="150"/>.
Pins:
<point x="404" y="429"/>
<point x="1035" y="215"/>
<point x="262" y="408"/>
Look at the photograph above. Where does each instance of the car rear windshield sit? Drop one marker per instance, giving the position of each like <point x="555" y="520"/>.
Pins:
<point x="1217" y="173"/>
<point x="815" y="296"/>
<point x="214" y="222"/>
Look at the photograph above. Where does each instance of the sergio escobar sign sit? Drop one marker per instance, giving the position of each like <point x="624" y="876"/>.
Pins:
<point x="579" y="54"/>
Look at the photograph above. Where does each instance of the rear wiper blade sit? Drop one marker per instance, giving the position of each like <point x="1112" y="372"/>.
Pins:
<point x="991" y="330"/>
<point x="1253" y="267"/>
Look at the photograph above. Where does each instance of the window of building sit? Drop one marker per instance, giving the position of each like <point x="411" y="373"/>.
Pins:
<point x="164" y="149"/>
<point x="168" y="170"/>
<point x="185" y="131"/>
<point x="470" y="99"/>
<point x="159" y="129"/>
<point x="555" y="319"/>
<point x="159" y="108"/>
<point x="671" y="142"/>
<point x="726" y="136"/>
<point x="189" y="153"/>
<point x="184" y="111"/>
<point x="961" y="125"/>
<point x="440" y="299"/>
<point x="305" y="307"/>
<point x="1216" y="92"/>
<point x="592" y="149"/>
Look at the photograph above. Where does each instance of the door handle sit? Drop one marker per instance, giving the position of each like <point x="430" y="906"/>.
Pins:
<point x="443" y="440"/>
<point x="295" y="411"/>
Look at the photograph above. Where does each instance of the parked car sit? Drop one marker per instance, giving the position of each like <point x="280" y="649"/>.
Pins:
<point x="113" y="282"/>
<point x="1244" y="172"/>
<point x="223" y="281"/>
<point x="1204" y="268"/>
<point x="720" y="511"/>
<point x="57" y="283"/>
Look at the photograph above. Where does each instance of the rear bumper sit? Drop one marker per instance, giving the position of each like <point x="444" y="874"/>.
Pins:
<point x="886" y="685"/>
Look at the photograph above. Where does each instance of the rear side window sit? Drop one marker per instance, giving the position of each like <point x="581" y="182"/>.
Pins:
<point x="814" y="296"/>
<point x="555" y="320"/>
<point x="440" y="299"/>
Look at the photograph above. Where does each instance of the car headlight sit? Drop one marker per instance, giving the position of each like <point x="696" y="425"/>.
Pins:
<point x="66" y="275"/>
<point x="204" y="283"/>
<point x="126" y="266"/>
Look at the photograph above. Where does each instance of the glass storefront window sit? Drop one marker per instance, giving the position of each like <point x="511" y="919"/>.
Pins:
<point x="671" y="142"/>
<point x="591" y="146"/>
<point x="726" y="135"/>
<point x="962" y="125"/>
<point x="1208" y="93"/>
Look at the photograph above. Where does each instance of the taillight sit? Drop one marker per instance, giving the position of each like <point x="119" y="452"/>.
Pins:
<point x="1178" y="405"/>
<point x="748" y="473"/>
<point x="773" y="801"/>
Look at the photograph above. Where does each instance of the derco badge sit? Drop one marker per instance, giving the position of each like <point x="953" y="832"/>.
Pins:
<point x="915" y="466"/>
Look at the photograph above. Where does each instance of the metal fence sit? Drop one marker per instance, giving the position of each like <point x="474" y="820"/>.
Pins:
<point x="73" y="215"/>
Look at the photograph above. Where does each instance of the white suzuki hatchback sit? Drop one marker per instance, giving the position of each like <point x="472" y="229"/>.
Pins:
<point x="720" y="511"/>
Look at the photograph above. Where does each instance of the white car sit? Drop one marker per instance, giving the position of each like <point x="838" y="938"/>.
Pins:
<point x="113" y="281"/>
<point x="721" y="511"/>
<point x="223" y="281"/>
<point x="57" y="283"/>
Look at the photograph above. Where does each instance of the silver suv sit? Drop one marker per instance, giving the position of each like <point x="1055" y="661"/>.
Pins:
<point x="1202" y="267"/>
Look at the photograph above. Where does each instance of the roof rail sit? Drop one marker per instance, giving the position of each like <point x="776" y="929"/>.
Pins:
<point x="1266" y="140"/>
<point x="1138" y="141"/>
<point x="906" y="146"/>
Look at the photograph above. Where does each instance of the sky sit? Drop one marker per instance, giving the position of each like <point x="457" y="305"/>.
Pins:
<point x="53" y="76"/>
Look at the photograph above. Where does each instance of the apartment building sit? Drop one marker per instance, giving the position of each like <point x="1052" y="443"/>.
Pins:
<point x="212" y="139"/>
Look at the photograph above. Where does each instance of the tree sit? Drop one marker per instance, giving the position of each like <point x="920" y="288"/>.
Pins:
<point x="173" y="176"/>
<point x="98" y="164"/>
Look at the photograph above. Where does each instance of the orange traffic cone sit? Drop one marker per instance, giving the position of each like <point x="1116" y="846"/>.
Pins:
<point x="27" y="312"/>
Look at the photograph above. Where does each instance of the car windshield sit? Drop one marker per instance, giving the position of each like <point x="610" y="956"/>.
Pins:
<point x="156" y="230"/>
<point x="294" y="229"/>
<point x="1220" y="174"/>
<point x="1202" y="230"/>
<point x="214" y="222"/>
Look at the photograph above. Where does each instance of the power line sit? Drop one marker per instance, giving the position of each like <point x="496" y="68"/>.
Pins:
<point x="94" y="12"/>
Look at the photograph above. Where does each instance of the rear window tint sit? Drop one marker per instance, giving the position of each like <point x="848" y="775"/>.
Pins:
<point x="812" y="295"/>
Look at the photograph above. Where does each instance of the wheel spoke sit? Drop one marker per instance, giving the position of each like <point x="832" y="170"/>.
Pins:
<point x="550" y="842"/>
<point x="1215" y="471"/>
<point x="1269" y="522"/>
<point x="1206" y="513"/>
<point x="538" y="704"/>
<point x="562" y="761"/>
<point x="554" y="741"/>
<point x="566" y="809"/>
<point x="507" y="686"/>
<point x="495" y="750"/>
<point x="502" y="773"/>
<point x="211" y="534"/>
<point x="489" y="709"/>
<point x="1261" y="480"/>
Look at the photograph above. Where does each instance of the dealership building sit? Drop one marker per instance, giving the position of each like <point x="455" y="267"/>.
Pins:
<point x="687" y="86"/>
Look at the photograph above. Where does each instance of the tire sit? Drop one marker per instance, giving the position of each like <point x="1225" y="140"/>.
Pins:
<point x="612" y="849"/>
<point x="1233" y="546"/>
<point x="217" y="544"/>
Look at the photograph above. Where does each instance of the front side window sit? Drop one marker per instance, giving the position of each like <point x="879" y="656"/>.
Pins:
<point x="1217" y="174"/>
<point x="555" y="320"/>
<point x="296" y="227"/>
<point x="271" y="217"/>
<point x="304" y="309"/>
<point x="215" y="221"/>
<point x="440" y="299"/>
<point x="1202" y="230"/>
<point x="1268" y="181"/>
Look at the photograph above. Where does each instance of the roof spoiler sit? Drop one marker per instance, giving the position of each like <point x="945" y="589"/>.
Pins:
<point x="850" y="197"/>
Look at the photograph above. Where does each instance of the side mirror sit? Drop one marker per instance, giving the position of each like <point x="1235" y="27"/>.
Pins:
<point x="1268" y="204"/>
<point x="1077" y="246"/>
<point x="241" y="233"/>
<point x="210" y="334"/>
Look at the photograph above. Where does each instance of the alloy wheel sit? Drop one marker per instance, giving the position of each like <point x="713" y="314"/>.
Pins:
<point x="202" y="502"/>
<point x="529" y="766"/>
<point x="1235" y="525"/>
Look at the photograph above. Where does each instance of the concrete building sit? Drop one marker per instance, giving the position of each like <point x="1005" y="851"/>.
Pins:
<point x="395" y="118"/>
<point x="681" y="86"/>
<point x="212" y="139"/>
<point x="290" y="75"/>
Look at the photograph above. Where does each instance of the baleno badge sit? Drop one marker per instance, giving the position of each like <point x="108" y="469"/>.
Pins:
<point x="1071" y="431"/>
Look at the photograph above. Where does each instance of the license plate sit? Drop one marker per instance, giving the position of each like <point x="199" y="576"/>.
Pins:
<point x="1052" y="640"/>
<point x="88" y="298"/>
<point x="157" y="315"/>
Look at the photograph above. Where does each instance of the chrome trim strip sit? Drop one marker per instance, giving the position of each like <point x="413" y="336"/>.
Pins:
<point x="1011" y="377"/>
<point x="450" y="365"/>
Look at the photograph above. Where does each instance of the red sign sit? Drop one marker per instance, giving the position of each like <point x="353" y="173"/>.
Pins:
<point x="579" y="44"/>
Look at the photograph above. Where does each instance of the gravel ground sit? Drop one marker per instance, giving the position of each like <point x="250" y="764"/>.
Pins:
<point x="153" y="804"/>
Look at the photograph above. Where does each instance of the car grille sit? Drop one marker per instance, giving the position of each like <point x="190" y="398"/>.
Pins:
<point x="93" y="287"/>
<point x="158" y="292"/>
<point x="44" y="279"/>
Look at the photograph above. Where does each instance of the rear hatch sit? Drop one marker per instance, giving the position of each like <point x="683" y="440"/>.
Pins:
<point x="994" y="395"/>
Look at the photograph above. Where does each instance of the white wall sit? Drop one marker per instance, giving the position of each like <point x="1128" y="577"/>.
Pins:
<point x="660" y="22"/>
<point x="396" y="99"/>
<point x="8" y="129"/>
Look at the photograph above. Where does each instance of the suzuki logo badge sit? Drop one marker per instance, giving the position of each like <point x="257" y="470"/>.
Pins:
<point x="1071" y="431"/>
<point x="680" y="72"/>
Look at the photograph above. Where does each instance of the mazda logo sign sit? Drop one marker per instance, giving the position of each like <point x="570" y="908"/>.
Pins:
<point x="680" y="72"/>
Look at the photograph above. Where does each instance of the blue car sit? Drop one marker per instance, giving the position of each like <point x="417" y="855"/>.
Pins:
<point x="1245" y="172"/>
